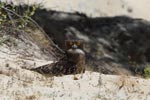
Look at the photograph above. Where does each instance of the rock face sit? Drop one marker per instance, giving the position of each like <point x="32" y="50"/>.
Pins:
<point x="113" y="44"/>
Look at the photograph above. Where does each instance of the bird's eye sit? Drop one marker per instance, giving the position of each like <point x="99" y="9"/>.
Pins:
<point x="78" y="43"/>
<point x="70" y="43"/>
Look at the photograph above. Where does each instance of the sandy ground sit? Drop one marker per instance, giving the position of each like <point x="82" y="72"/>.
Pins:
<point x="92" y="86"/>
<point x="21" y="84"/>
<point x="96" y="8"/>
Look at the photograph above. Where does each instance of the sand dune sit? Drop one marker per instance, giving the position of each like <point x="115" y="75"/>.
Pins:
<point x="95" y="8"/>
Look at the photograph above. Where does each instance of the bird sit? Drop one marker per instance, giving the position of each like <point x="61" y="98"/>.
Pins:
<point x="75" y="55"/>
<point x="73" y="61"/>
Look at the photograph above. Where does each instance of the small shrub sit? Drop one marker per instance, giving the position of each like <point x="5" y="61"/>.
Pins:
<point x="146" y="73"/>
<point x="16" y="15"/>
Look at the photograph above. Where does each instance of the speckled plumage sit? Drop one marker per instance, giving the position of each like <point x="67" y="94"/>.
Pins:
<point x="73" y="61"/>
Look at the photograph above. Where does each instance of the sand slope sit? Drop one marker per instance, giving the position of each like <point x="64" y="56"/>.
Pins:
<point x="94" y="8"/>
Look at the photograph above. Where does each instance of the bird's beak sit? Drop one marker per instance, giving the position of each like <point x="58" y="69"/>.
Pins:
<point x="74" y="46"/>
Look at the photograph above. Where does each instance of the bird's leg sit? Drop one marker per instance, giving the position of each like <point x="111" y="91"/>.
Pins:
<point x="83" y="70"/>
<point x="75" y="72"/>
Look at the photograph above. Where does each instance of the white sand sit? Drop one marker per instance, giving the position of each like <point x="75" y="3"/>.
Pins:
<point x="20" y="84"/>
<point x="94" y="8"/>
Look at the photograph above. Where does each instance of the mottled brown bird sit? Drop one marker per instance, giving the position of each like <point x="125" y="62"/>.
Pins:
<point x="73" y="61"/>
<point x="76" y="55"/>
